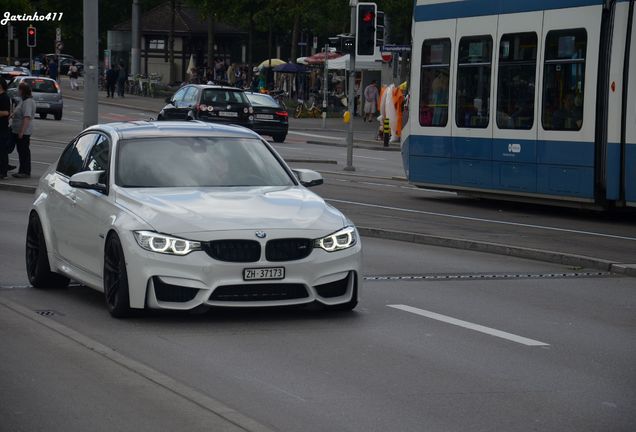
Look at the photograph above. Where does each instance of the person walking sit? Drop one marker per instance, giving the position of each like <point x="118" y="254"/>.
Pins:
<point x="122" y="76"/>
<point x="111" y="81"/>
<point x="53" y="69"/>
<point x="73" y="74"/>
<point x="370" y="101"/>
<point x="5" y="111"/>
<point x="22" y="127"/>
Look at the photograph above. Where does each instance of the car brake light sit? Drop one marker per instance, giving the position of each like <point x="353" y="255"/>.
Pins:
<point x="282" y="113"/>
<point x="57" y="86"/>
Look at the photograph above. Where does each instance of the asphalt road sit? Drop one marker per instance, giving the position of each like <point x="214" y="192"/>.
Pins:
<point x="443" y="340"/>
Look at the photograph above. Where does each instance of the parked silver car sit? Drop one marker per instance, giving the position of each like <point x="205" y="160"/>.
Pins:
<point x="46" y="93"/>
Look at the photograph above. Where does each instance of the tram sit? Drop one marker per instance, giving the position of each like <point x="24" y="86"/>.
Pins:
<point x="527" y="100"/>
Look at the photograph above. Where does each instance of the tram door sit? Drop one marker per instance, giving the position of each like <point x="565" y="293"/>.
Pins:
<point x="630" y="147"/>
<point x="567" y="112"/>
<point x="472" y="115"/>
<point x="517" y="100"/>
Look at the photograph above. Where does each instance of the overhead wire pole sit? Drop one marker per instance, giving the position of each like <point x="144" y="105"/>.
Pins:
<point x="324" y="89"/>
<point x="352" y="91"/>
<point x="91" y="26"/>
<point x="135" y="51"/>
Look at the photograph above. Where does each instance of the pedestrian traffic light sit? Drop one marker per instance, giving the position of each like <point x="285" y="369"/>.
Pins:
<point x="31" y="37"/>
<point x="365" y="29"/>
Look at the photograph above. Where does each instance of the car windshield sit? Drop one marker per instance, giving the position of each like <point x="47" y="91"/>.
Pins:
<point x="198" y="162"/>
<point x="223" y="96"/>
<point x="261" y="100"/>
<point x="41" y="85"/>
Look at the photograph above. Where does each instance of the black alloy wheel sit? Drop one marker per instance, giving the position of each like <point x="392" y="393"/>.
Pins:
<point x="37" y="259"/>
<point x="116" y="279"/>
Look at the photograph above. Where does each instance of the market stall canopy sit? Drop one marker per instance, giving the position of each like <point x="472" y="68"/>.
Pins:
<point x="290" y="68"/>
<point x="274" y="62"/>
<point x="319" y="58"/>
<point x="301" y="60"/>
<point x="338" y="63"/>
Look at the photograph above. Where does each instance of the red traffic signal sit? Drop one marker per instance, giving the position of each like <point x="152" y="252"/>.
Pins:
<point x="31" y="37"/>
<point x="368" y="17"/>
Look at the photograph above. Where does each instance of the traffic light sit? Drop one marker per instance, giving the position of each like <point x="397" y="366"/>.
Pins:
<point x="380" y="29"/>
<point x="31" y="37"/>
<point x="365" y="29"/>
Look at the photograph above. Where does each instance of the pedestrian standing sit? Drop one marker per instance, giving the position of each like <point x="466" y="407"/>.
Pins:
<point x="22" y="127"/>
<point x="111" y="81"/>
<point x="5" y="111"/>
<point x="231" y="74"/>
<point x="53" y="69"/>
<point x="370" y="101"/>
<point x="122" y="76"/>
<point x="73" y="74"/>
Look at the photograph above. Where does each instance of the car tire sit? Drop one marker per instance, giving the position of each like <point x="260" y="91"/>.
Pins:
<point x="58" y="115"/>
<point x="43" y="116"/>
<point x="116" y="278"/>
<point x="348" y="306"/>
<point x="37" y="258"/>
<point x="279" y="138"/>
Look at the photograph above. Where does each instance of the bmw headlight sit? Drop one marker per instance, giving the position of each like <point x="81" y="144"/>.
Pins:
<point x="161" y="243"/>
<point x="343" y="239"/>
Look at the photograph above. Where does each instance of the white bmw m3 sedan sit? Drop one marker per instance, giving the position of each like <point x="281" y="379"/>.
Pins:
<point x="175" y="215"/>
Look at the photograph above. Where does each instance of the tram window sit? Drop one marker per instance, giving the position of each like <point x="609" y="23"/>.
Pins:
<point x="516" y="82"/>
<point x="564" y="80"/>
<point x="473" y="82"/>
<point x="434" y="82"/>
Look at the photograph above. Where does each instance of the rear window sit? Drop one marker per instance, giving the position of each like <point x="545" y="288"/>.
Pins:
<point x="262" y="100"/>
<point x="41" y="86"/>
<point x="223" y="96"/>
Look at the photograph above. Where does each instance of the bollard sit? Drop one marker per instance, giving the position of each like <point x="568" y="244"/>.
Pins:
<point x="387" y="132"/>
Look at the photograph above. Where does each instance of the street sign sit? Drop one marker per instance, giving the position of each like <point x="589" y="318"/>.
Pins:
<point x="58" y="34"/>
<point x="396" y="48"/>
<point x="58" y="47"/>
<point x="387" y="56"/>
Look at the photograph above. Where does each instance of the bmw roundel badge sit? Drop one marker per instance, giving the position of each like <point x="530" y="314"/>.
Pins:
<point x="261" y="234"/>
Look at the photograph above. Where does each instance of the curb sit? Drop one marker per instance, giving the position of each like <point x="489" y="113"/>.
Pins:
<point x="17" y="188"/>
<point x="501" y="249"/>
<point x="116" y="104"/>
<point x="360" y="146"/>
<point x="316" y="161"/>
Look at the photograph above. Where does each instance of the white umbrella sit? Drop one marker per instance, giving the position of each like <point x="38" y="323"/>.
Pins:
<point x="301" y="60"/>
<point x="191" y="64"/>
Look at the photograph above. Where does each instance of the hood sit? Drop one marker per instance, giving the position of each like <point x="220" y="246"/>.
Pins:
<point x="190" y="210"/>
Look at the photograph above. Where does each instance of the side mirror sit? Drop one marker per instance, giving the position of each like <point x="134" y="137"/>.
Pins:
<point x="308" y="178"/>
<point x="88" y="180"/>
<point x="169" y="99"/>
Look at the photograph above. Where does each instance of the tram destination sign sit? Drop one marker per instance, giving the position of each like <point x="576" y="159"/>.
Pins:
<point x="396" y="48"/>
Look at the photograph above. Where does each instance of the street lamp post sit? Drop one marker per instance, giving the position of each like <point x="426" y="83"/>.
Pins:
<point x="352" y="91"/>
<point x="91" y="26"/>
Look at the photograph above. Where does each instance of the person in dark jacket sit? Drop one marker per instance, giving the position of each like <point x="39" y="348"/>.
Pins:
<point x="5" y="111"/>
<point x="53" y="69"/>
<point x="122" y="77"/>
<point x="111" y="81"/>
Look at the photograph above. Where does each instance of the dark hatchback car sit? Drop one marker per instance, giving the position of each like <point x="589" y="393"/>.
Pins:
<point x="211" y="103"/>
<point x="270" y="118"/>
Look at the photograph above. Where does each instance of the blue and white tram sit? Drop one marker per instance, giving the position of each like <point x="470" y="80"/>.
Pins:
<point x="524" y="99"/>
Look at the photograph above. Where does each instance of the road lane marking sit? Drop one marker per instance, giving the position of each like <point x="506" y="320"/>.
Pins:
<point x="453" y="216"/>
<point x="468" y="325"/>
<point x="316" y="136"/>
<point x="368" y="157"/>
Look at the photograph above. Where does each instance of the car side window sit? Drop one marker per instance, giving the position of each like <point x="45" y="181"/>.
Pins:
<point x="178" y="96"/>
<point x="191" y="95"/>
<point x="74" y="158"/>
<point x="98" y="158"/>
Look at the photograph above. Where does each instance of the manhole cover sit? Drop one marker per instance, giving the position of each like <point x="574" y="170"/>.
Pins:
<point x="48" y="312"/>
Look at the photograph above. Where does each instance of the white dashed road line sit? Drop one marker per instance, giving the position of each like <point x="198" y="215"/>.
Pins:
<point x="468" y="325"/>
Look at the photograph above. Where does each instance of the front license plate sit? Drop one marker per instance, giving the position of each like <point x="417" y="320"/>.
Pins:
<point x="228" y="114"/>
<point x="265" y="116"/>
<point x="264" y="273"/>
<point x="43" y="105"/>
